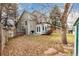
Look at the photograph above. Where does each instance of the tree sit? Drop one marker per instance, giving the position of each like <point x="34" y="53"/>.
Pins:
<point x="67" y="9"/>
<point x="8" y="10"/>
<point x="58" y="17"/>
<point x="55" y="16"/>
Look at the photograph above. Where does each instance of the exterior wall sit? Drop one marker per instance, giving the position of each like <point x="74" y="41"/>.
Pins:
<point x="41" y="17"/>
<point x="29" y="25"/>
<point x="44" y="28"/>
<point x="21" y="26"/>
<point x="37" y="30"/>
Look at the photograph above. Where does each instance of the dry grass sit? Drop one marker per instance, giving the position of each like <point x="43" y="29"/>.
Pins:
<point x="37" y="45"/>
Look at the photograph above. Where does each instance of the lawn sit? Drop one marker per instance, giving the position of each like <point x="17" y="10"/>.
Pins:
<point x="39" y="45"/>
<point x="57" y="37"/>
<point x="54" y="37"/>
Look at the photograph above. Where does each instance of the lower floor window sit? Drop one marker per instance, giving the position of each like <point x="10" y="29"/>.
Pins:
<point x="38" y="29"/>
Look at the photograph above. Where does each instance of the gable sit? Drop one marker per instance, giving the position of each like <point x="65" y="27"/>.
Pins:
<point x="28" y="16"/>
<point x="76" y="22"/>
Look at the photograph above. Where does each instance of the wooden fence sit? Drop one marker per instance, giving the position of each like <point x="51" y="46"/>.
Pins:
<point x="5" y="35"/>
<point x="3" y="39"/>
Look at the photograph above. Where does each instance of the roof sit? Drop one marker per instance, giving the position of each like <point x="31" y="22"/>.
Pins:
<point x="23" y="13"/>
<point x="76" y="22"/>
<point x="39" y="13"/>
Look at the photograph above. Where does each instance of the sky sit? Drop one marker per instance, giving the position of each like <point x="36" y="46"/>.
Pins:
<point x="43" y="7"/>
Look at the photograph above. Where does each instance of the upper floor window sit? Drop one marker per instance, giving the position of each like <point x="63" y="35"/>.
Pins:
<point x="25" y="22"/>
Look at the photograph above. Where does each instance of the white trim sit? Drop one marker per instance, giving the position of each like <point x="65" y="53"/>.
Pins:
<point x="75" y="42"/>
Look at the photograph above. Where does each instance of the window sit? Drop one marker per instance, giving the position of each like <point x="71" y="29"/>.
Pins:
<point x="22" y="28"/>
<point x="38" y="29"/>
<point x="25" y="22"/>
<point x="43" y="28"/>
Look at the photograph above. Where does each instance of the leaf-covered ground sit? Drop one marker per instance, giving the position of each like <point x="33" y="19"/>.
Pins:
<point x="39" y="46"/>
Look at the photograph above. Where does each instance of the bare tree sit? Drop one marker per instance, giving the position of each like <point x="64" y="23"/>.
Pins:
<point x="55" y="16"/>
<point x="62" y="18"/>
<point x="67" y="9"/>
<point x="7" y="10"/>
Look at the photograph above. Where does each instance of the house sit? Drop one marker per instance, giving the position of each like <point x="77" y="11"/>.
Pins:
<point x="33" y="23"/>
<point x="26" y="23"/>
<point x="41" y="18"/>
<point x="43" y="28"/>
<point x="43" y="25"/>
<point x="76" y="49"/>
<point x="70" y="20"/>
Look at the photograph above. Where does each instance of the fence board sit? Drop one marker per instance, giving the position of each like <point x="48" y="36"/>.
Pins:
<point x="3" y="39"/>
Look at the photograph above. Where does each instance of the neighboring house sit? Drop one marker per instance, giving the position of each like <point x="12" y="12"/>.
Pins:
<point x="70" y="29"/>
<point x="70" y="20"/>
<point x="26" y="23"/>
<point x="33" y="23"/>
<point x="76" y="48"/>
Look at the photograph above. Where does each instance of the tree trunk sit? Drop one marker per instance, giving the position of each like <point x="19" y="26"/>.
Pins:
<point x="63" y="19"/>
<point x="64" y="37"/>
